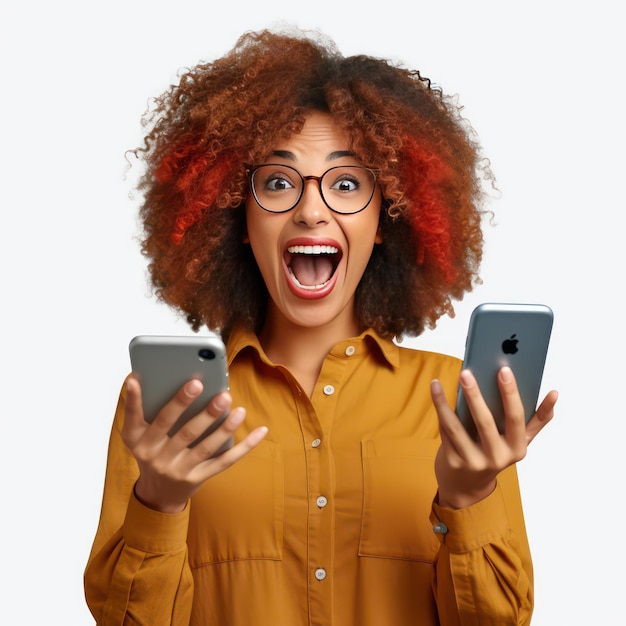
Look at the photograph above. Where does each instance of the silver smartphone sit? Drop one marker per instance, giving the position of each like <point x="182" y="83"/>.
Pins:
<point x="502" y="334"/>
<point x="163" y="364"/>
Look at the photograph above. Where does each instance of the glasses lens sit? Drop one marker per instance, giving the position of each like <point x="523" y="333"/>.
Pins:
<point x="345" y="189"/>
<point x="348" y="189"/>
<point x="276" y="188"/>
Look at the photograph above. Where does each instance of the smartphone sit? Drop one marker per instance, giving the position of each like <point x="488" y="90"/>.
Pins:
<point x="163" y="364"/>
<point x="502" y="334"/>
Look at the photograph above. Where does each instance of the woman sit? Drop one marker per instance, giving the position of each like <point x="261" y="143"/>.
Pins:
<point x="311" y="208"/>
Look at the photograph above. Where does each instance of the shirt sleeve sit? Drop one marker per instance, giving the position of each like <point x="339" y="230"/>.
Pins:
<point x="138" y="570"/>
<point x="483" y="575"/>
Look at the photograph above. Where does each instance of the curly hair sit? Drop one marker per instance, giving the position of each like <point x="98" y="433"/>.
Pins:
<point x="224" y="114"/>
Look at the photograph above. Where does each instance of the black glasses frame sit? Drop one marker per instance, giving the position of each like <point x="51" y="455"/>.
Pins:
<point x="252" y="169"/>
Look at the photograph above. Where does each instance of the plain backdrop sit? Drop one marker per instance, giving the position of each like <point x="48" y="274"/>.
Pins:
<point x="541" y="82"/>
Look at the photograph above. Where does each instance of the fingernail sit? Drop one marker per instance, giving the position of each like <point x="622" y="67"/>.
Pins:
<point x="506" y="374"/>
<point x="466" y="378"/>
<point x="258" y="434"/>
<point x="237" y="416"/>
<point x="220" y="403"/>
<point x="193" y="388"/>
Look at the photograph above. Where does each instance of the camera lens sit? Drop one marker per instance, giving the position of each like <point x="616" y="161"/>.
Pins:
<point x="206" y="354"/>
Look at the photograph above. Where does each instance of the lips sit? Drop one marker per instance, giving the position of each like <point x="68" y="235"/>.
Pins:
<point x="310" y="265"/>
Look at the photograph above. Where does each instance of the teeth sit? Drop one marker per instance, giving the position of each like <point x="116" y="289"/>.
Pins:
<point x="312" y="250"/>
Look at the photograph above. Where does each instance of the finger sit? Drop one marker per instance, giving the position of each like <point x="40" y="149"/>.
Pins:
<point x="514" y="414"/>
<point x="205" y="464"/>
<point x="215" y="465"/>
<point x="452" y="432"/>
<point x="169" y="414"/>
<point x="204" y="423"/>
<point x="210" y="444"/>
<point x="481" y="414"/>
<point x="543" y="415"/>
<point x="134" y="423"/>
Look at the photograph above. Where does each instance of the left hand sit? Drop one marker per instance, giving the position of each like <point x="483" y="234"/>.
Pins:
<point x="466" y="470"/>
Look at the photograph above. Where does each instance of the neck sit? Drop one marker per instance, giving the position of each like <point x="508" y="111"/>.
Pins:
<point x="302" y="349"/>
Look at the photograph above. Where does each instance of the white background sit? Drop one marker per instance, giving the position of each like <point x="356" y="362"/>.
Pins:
<point x="542" y="83"/>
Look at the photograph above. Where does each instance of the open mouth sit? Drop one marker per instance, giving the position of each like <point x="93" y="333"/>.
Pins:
<point x="312" y="267"/>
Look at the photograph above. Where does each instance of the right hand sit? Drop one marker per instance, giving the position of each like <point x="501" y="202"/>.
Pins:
<point x="170" y="471"/>
<point x="467" y="469"/>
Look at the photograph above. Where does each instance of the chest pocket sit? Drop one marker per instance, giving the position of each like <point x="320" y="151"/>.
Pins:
<point x="399" y="486"/>
<point x="239" y="513"/>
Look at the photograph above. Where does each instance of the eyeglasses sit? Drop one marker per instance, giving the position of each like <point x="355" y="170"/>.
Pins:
<point x="344" y="189"/>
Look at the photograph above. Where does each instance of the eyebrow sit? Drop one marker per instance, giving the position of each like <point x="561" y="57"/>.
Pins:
<point x="290" y="156"/>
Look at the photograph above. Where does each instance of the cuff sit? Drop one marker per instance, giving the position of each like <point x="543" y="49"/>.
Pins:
<point x="152" y="531"/>
<point x="466" y="529"/>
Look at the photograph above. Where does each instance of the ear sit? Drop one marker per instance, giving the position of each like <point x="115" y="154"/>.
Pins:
<point x="379" y="235"/>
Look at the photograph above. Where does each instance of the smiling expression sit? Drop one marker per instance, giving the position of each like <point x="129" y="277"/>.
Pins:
<point x="310" y="257"/>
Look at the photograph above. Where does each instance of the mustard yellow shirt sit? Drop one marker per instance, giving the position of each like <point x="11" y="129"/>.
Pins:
<point x="328" y="522"/>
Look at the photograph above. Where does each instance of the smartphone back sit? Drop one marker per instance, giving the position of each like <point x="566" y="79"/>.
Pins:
<point x="163" y="364"/>
<point x="499" y="334"/>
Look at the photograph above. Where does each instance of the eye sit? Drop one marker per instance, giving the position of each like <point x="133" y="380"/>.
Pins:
<point x="346" y="182"/>
<point x="278" y="181"/>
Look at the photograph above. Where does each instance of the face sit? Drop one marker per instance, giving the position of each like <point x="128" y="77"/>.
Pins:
<point x="312" y="258"/>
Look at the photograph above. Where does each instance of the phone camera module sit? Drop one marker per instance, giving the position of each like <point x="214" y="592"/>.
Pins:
<point x="206" y="354"/>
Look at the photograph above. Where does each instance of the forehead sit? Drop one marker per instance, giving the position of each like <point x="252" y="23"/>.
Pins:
<point x="320" y="136"/>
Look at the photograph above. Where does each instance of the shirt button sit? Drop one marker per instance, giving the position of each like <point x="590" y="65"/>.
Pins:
<point x="350" y="350"/>
<point x="315" y="443"/>
<point x="322" y="502"/>
<point x="320" y="573"/>
<point x="329" y="390"/>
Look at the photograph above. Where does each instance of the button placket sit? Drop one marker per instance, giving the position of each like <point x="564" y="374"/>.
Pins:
<point x="321" y="514"/>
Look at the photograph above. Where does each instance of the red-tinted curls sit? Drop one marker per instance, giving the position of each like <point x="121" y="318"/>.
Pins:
<point x="425" y="175"/>
<point x="198" y="184"/>
<point x="171" y="164"/>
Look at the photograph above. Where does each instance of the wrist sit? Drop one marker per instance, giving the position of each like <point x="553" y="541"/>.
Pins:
<point x="155" y="503"/>
<point x="453" y="499"/>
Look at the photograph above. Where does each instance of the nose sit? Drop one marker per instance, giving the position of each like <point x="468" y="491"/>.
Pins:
<point x="311" y="210"/>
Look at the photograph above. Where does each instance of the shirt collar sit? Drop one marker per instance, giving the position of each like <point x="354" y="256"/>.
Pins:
<point x="241" y="340"/>
<point x="388" y="349"/>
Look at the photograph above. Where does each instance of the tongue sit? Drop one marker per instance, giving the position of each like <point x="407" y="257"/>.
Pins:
<point x="311" y="270"/>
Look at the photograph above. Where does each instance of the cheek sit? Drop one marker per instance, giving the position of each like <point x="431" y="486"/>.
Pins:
<point x="368" y="232"/>
<point x="262" y="234"/>
<point x="373" y="216"/>
<point x="363" y="241"/>
<point x="254" y="226"/>
<point x="360" y="253"/>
